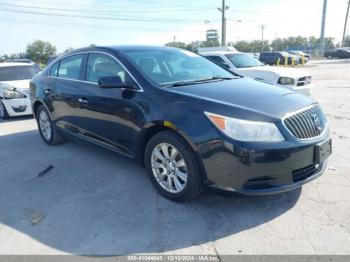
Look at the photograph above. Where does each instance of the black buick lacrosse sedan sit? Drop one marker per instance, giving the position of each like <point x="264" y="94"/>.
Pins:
<point x="191" y="122"/>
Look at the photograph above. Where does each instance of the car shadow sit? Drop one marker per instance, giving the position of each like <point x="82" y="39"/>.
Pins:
<point x="94" y="202"/>
<point x="16" y="118"/>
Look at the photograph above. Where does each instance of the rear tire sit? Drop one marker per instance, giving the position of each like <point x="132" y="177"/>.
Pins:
<point x="48" y="131"/>
<point x="172" y="167"/>
<point x="3" y="112"/>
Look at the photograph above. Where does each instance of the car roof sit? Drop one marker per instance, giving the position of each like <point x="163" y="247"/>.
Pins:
<point x="220" y="52"/>
<point x="10" y="64"/>
<point x="120" y="48"/>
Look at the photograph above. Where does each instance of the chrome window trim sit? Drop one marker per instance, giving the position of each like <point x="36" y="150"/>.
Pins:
<point x="326" y="127"/>
<point x="140" y="89"/>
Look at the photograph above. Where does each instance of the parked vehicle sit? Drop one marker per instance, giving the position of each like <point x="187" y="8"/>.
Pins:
<point x="189" y="121"/>
<point x="246" y="65"/>
<point x="299" y="59"/>
<point x="20" y="60"/>
<point x="301" y="54"/>
<point x="341" y="53"/>
<point x="216" y="49"/>
<point x="14" y="88"/>
<point x="271" y="58"/>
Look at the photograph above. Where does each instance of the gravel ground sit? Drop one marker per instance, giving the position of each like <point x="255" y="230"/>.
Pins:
<point x="94" y="202"/>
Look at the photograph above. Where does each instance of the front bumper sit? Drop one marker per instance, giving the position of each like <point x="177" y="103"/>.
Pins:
<point x="276" y="189"/>
<point x="263" y="169"/>
<point x="305" y="90"/>
<point x="18" y="107"/>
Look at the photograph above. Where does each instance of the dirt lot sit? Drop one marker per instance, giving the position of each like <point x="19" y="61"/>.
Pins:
<point x="94" y="202"/>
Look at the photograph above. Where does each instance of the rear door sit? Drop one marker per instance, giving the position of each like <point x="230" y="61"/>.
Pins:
<point x="67" y="93"/>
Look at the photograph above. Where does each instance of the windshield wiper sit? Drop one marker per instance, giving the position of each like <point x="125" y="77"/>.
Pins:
<point x="215" y="78"/>
<point x="196" y="81"/>
<point x="182" y="83"/>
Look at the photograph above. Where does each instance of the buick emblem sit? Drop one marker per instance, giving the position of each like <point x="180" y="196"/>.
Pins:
<point x="317" y="122"/>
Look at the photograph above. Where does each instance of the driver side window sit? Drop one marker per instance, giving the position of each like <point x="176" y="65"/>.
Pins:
<point x="101" y="65"/>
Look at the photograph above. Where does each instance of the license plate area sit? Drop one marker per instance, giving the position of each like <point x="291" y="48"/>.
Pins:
<point x="323" y="151"/>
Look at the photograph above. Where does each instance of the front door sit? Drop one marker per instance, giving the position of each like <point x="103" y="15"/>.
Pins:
<point x="112" y="117"/>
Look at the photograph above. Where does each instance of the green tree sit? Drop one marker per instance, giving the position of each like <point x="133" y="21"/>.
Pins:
<point x="39" y="51"/>
<point x="242" y="46"/>
<point x="347" y="41"/>
<point x="211" y="43"/>
<point x="68" y="49"/>
<point x="329" y="43"/>
<point x="181" y="45"/>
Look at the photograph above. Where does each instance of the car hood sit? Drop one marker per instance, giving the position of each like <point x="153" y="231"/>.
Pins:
<point x="279" y="71"/>
<point x="20" y="85"/>
<point x="248" y="94"/>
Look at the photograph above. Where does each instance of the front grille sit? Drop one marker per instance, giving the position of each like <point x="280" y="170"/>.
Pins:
<point x="304" y="81"/>
<point x="306" y="124"/>
<point x="304" y="173"/>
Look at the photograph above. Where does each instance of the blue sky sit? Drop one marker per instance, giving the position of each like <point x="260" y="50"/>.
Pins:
<point x="68" y="23"/>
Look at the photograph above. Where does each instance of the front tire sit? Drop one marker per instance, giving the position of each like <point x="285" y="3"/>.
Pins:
<point x="172" y="167"/>
<point x="3" y="112"/>
<point x="48" y="131"/>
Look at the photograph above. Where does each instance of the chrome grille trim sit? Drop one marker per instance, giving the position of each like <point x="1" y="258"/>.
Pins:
<point x="302" y="124"/>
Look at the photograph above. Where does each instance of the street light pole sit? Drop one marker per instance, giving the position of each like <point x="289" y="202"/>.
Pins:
<point x="223" y="25"/>
<point x="223" y="22"/>
<point x="262" y="27"/>
<point x="346" y="22"/>
<point x="324" y="12"/>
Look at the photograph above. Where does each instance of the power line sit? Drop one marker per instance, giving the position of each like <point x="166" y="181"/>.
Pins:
<point x="131" y="19"/>
<point x="107" y="11"/>
<point x="119" y="4"/>
<point x="80" y="26"/>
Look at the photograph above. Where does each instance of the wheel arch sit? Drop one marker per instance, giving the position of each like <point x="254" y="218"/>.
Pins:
<point x="160" y="126"/>
<point x="36" y="106"/>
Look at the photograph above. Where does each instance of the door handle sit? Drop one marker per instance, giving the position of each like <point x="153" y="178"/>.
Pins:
<point x="48" y="91"/>
<point x="83" y="101"/>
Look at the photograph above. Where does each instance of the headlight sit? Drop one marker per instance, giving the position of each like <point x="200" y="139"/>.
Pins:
<point x="286" y="81"/>
<point x="9" y="94"/>
<point x="244" y="130"/>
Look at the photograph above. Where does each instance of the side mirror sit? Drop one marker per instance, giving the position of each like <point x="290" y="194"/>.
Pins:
<point x="108" y="82"/>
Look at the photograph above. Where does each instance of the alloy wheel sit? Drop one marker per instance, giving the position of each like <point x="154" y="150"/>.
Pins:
<point x="169" y="167"/>
<point x="45" y="125"/>
<point x="2" y="110"/>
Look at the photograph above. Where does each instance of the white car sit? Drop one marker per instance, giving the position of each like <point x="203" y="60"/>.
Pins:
<point x="246" y="65"/>
<point x="14" y="88"/>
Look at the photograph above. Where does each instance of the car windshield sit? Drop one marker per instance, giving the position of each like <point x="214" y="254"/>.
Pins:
<point x="13" y="73"/>
<point x="243" y="60"/>
<point x="176" y="67"/>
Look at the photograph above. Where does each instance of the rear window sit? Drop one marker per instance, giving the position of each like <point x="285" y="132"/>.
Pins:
<point x="54" y="69"/>
<point x="13" y="73"/>
<point x="70" y="67"/>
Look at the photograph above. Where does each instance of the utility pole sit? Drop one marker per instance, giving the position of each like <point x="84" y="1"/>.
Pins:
<point x="346" y="22"/>
<point x="223" y="22"/>
<point x="223" y="25"/>
<point x="275" y="41"/>
<point x="262" y="27"/>
<point x="324" y="12"/>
